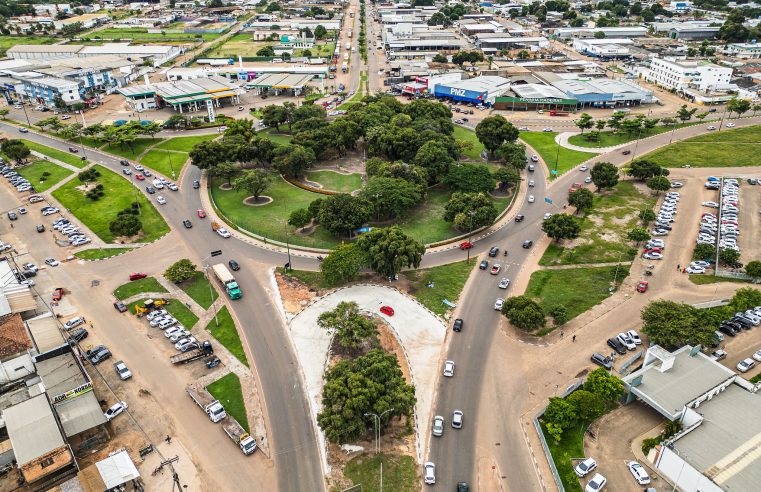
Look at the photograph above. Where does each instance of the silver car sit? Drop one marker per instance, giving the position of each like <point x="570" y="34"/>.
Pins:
<point x="438" y="426"/>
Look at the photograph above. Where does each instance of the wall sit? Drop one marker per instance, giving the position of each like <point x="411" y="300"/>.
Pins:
<point x="683" y="474"/>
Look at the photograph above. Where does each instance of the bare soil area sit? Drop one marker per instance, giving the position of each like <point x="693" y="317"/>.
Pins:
<point x="295" y="295"/>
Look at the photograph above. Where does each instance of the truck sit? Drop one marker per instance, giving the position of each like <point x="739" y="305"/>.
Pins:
<point x="227" y="280"/>
<point x="203" y="350"/>
<point x="333" y="68"/>
<point x="349" y="34"/>
<point x="348" y="46"/>
<point x="346" y="57"/>
<point x="344" y="67"/>
<point x="208" y="403"/>
<point x="238" y="435"/>
<point x="555" y="112"/>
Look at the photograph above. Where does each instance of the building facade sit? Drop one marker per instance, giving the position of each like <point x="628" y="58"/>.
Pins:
<point x="684" y="75"/>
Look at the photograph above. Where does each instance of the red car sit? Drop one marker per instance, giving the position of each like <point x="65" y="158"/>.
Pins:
<point x="137" y="276"/>
<point x="58" y="294"/>
<point x="653" y="250"/>
<point x="387" y="310"/>
<point x="139" y="177"/>
<point x="466" y="245"/>
<point x="201" y="213"/>
<point x="642" y="286"/>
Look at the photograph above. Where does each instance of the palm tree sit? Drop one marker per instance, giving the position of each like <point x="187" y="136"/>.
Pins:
<point x="490" y="59"/>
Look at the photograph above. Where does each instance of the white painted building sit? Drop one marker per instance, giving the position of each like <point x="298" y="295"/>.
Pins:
<point x="744" y="50"/>
<point x="683" y="75"/>
<point x="604" y="48"/>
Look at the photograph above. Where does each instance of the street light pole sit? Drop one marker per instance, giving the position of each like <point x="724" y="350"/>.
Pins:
<point x="470" y="233"/>
<point x="376" y="421"/>
<point x="208" y="280"/>
<point x="84" y="125"/>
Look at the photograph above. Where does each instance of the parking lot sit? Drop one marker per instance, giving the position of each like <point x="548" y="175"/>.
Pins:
<point x="750" y="239"/>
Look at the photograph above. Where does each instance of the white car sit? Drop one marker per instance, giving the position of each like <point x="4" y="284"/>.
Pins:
<point x="531" y="183"/>
<point x="546" y="129"/>
<point x="588" y="179"/>
<point x="179" y="334"/>
<point x="711" y="127"/>
<point x="66" y="117"/>
<point x="531" y="199"/>
<point x="438" y="426"/>
<point x="676" y="184"/>
<point x="585" y="467"/>
<point x="534" y="158"/>
<point x="596" y="484"/>
<point x="730" y="125"/>
<point x="223" y="232"/>
<point x="583" y="168"/>
<point x="155" y="314"/>
<point x="52" y="262"/>
<point x="35" y="198"/>
<point x="115" y="410"/>
<point x="757" y="355"/>
<point x="657" y="243"/>
<point x="50" y="211"/>
<point x="172" y="186"/>
<point x="429" y="473"/>
<point x="652" y="256"/>
<point x="624" y="339"/>
<point x="73" y="323"/>
<point x="504" y="283"/>
<point x="183" y="343"/>
<point x="700" y="264"/>
<point x="547" y="215"/>
<point x="122" y="370"/>
<point x="161" y="200"/>
<point x="31" y="267"/>
<point x="449" y="368"/>
<point x="634" y="337"/>
<point x="498" y="303"/>
<point x="659" y="232"/>
<point x="457" y="419"/>
<point x="695" y="270"/>
<point x="746" y="365"/>
<point x="640" y="475"/>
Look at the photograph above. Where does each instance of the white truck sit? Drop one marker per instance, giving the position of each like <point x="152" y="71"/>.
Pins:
<point x="238" y="435"/>
<point x="348" y="46"/>
<point x="208" y="404"/>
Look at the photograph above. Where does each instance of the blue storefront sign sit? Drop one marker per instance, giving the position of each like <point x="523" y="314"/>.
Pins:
<point x="460" y="94"/>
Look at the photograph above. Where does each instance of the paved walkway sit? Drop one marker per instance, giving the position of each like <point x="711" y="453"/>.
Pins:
<point x="583" y="265"/>
<point x="562" y="140"/>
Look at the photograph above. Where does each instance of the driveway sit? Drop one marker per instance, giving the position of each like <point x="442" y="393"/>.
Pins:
<point x="419" y="331"/>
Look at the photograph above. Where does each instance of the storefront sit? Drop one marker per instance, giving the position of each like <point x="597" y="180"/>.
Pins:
<point x="532" y="104"/>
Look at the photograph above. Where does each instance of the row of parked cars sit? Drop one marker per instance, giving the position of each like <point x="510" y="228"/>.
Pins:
<point x="173" y="330"/>
<point x="664" y="219"/>
<point x="21" y="183"/>
<point x="622" y="342"/>
<point x="598" y="481"/>
<point x="67" y="228"/>
<point x="732" y="327"/>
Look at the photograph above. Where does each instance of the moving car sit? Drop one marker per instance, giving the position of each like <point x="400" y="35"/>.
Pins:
<point x="223" y="232"/>
<point x="233" y="265"/>
<point x="161" y="200"/>
<point x="429" y="473"/>
<point x="585" y="467"/>
<point x="519" y="218"/>
<point x="493" y="251"/>
<point x="122" y="370"/>
<point x="387" y="310"/>
<point x="495" y="268"/>
<point x="483" y="265"/>
<point x="187" y="224"/>
<point x="498" y="303"/>
<point x="642" y="287"/>
<point x="457" y="419"/>
<point x="115" y="410"/>
<point x="449" y="368"/>
<point x="52" y="262"/>
<point x="438" y="426"/>
<point x="531" y="199"/>
<point x="527" y="243"/>
<point x="466" y="245"/>
<point x="201" y="213"/>
<point x="457" y="326"/>
<point x="640" y="475"/>
<point x="137" y="276"/>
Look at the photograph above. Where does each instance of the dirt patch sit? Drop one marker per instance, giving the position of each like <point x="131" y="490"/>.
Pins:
<point x="576" y="242"/>
<point x="263" y="200"/>
<point x="390" y="344"/>
<point x="295" y="295"/>
<point x="84" y="188"/>
<point x="137" y="238"/>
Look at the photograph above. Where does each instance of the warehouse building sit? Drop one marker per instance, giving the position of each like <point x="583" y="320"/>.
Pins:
<point x="603" y="48"/>
<point x="693" y="33"/>
<point x="609" y="32"/>
<point x="491" y="44"/>
<point x="532" y="97"/>
<point x="597" y="92"/>
<point x="157" y="54"/>
<point x="478" y="90"/>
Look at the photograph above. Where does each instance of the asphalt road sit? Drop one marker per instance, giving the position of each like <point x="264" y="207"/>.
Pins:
<point x="292" y="434"/>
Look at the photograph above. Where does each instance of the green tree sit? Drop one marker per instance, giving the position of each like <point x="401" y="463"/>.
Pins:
<point x="389" y="250"/>
<point x="370" y="383"/>
<point x="513" y="154"/>
<point x="435" y="159"/>
<point x="299" y="218"/>
<point x="638" y="235"/>
<point x="224" y="170"/>
<point x="729" y="257"/>
<point x="341" y="214"/>
<point x="704" y="252"/>
<point x="180" y="271"/>
<point x="506" y="177"/>
<point x="493" y="131"/>
<point x="439" y="58"/>
<point x="342" y="264"/>
<point x="658" y="184"/>
<point x="470" y="178"/>
<point x="604" y="175"/>
<point x="16" y="150"/>
<point x="350" y="328"/>
<point x="671" y="325"/>
<point x="274" y="115"/>
<point x="585" y="122"/>
<point x="243" y="127"/>
<point x="391" y="197"/>
<point x="151" y="129"/>
<point x="266" y="51"/>
<point x="744" y="299"/>
<point x="582" y="199"/>
<point x="559" y="314"/>
<point x="320" y="32"/>
<point x="646" y="215"/>
<point x="561" y="226"/>
<point x="560" y="412"/>
<point x="753" y="269"/>
<point x="469" y="211"/>
<point x="589" y="406"/>
<point x="125" y="225"/>
<point x="644" y="170"/>
<point x="524" y="313"/>
<point x="254" y="181"/>
<point x="604" y="385"/>
<point x="293" y="160"/>
<point x="4" y="112"/>
<point x="685" y="114"/>
<point x="738" y="106"/>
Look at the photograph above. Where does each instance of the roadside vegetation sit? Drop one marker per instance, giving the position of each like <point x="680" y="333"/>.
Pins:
<point x="625" y="128"/>
<point x="198" y="288"/>
<point x="147" y="284"/>
<point x="399" y="472"/>
<point x="228" y="391"/>
<point x="550" y="152"/>
<point x="43" y="174"/>
<point x="183" y="315"/>
<point x="727" y="148"/>
<point x="431" y="286"/>
<point x="99" y="253"/>
<point x="59" y="155"/>
<point x="227" y="334"/>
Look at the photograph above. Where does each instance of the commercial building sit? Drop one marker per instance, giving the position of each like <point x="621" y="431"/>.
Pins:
<point x="743" y="50"/>
<point x="183" y="96"/>
<point x="157" y="54"/>
<point x="598" y="92"/>
<point x="244" y="72"/>
<point x="693" y="33"/>
<point x="531" y="97"/>
<point x="719" y="446"/>
<point x="609" y="32"/>
<point x="694" y="79"/>
<point x="492" y="43"/>
<point x="478" y="90"/>
<point x="603" y="48"/>
<point x="277" y="83"/>
<point x="88" y="21"/>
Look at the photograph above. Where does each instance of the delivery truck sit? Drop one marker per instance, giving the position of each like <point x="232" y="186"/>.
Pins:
<point x="208" y="403"/>
<point x="238" y="435"/>
<point x="227" y="280"/>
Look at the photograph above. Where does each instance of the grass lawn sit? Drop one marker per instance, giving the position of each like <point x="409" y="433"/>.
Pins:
<point x="134" y="149"/>
<point x="197" y="287"/>
<point x="99" y="253"/>
<point x="755" y="379"/>
<point x="119" y="195"/>
<point x="728" y="148"/>
<point x="603" y="229"/>
<point x="159" y="161"/>
<point x="462" y="133"/>
<point x="570" y="446"/>
<point x="137" y="34"/>
<point x="34" y="171"/>
<point x="713" y="279"/>
<point x="184" y="315"/>
<point x="227" y="391"/>
<point x="564" y="287"/>
<point x="11" y="41"/>
<point x="239" y="44"/>
<point x="227" y="334"/>
<point x="399" y="472"/>
<point x="544" y="144"/>
<point x="60" y="155"/>
<point x="147" y="284"/>
<point x="324" y="49"/>
<point x="278" y="138"/>
<point x="331" y="180"/>
<point x="609" y="139"/>
<point x="184" y="144"/>
<point x="448" y="281"/>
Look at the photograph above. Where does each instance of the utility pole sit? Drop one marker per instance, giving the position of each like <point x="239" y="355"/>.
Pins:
<point x="470" y="233"/>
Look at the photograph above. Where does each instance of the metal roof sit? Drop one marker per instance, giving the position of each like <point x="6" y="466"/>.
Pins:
<point x="281" y="81"/>
<point x="32" y="429"/>
<point x="46" y="334"/>
<point x="537" y="91"/>
<point x="117" y="469"/>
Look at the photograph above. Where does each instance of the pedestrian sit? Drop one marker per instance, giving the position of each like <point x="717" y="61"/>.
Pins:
<point x="90" y="322"/>
<point x="573" y="338"/>
<point x="678" y="267"/>
<point x="561" y="334"/>
<point x="168" y="439"/>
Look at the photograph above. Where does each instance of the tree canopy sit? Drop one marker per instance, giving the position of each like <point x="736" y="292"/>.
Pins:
<point x="604" y="175"/>
<point x="389" y="250"/>
<point x="671" y="325"/>
<point x="341" y="214"/>
<point x="180" y="270"/>
<point x="561" y="226"/>
<point x="350" y="328"/>
<point x="493" y="131"/>
<point x="469" y="211"/>
<point x="524" y="313"/>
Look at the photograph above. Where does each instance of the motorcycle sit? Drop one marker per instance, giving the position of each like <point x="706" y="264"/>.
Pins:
<point x="648" y="273"/>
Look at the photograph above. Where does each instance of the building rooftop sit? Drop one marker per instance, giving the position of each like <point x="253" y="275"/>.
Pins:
<point x="45" y="332"/>
<point x="537" y="91"/>
<point x="127" y="49"/>
<point x="13" y="336"/>
<point x="44" y="48"/>
<point x="281" y="80"/>
<point x="32" y="428"/>
<point x="485" y="83"/>
<point x="726" y="446"/>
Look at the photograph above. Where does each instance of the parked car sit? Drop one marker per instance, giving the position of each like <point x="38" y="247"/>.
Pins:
<point x="99" y="356"/>
<point x="616" y="345"/>
<point x="585" y="467"/>
<point x="527" y="243"/>
<point x="634" y="337"/>
<point x="495" y="268"/>
<point x="596" y="484"/>
<point x="122" y="370"/>
<point x="457" y="325"/>
<point x="499" y="303"/>
<point x="746" y="365"/>
<point x="483" y="265"/>
<point x="493" y="251"/>
<point x="601" y="360"/>
<point x="77" y="335"/>
<point x="387" y="310"/>
<point x="429" y="473"/>
<point x="233" y="265"/>
<point x="624" y="339"/>
<point x="120" y="306"/>
<point x="115" y="410"/>
<point x="642" y="286"/>
<point x="718" y="355"/>
<point x="73" y="323"/>
<point x="223" y="232"/>
<point x="57" y="293"/>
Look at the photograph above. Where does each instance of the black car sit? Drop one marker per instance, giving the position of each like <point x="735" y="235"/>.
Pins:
<point x="150" y="189"/>
<point x="457" y="326"/>
<point x="78" y="335"/>
<point x="233" y="265"/>
<point x="616" y="345"/>
<point x="601" y="360"/>
<point x="196" y="184"/>
<point x="743" y="321"/>
<point x="40" y="228"/>
<point x="463" y="487"/>
<point x="493" y="251"/>
<point x="727" y="330"/>
<point x="124" y="163"/>
<point x="187" y="224"/>
<point x="527" y="243"/>
<point x="519" y="218"/>
<point x="99" y="356"/>
<point x="483" y="265"/>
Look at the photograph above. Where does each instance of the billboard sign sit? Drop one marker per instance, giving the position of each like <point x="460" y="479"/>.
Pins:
<point x="460" y="94"/>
